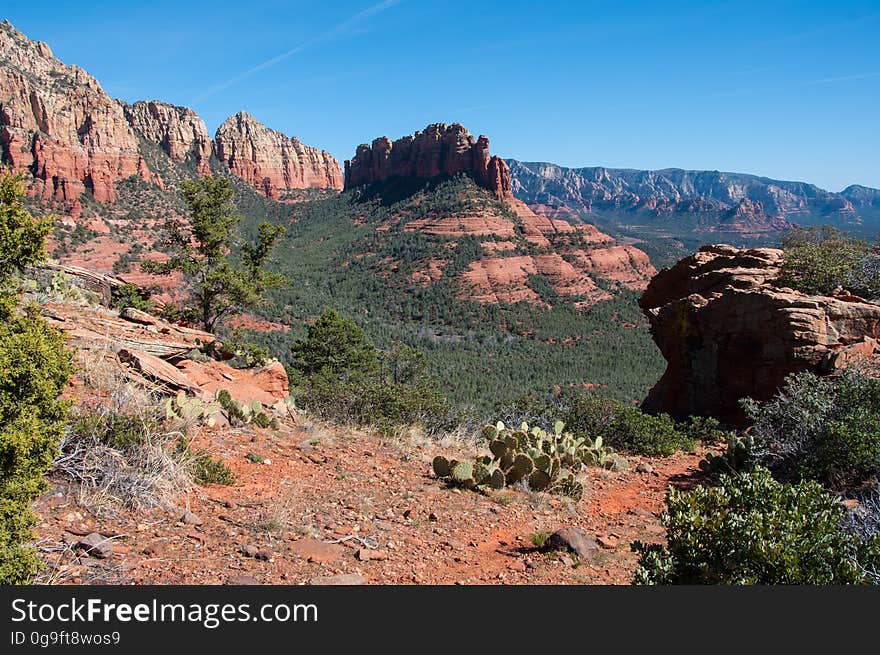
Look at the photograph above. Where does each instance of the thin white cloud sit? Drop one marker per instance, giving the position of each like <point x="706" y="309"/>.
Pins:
<point x="346" y="27"/>
<point x="842" y="78"/>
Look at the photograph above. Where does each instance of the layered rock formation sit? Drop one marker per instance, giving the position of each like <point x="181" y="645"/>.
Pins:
<point x="177" y="130"/>
<point x="730" y="203"/>
<point x="272" y="162"/>
<point x="158" y="354"/>
<point x="59" y="127"/>
<point x="727" y="332"/>
<point x="57" y="124"/>
<point x="439" y="149"/>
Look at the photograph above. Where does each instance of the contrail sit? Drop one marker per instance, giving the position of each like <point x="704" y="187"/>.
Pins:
<point x="340" y="28"/>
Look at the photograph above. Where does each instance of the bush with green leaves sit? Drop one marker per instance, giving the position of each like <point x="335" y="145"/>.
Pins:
<point x="627" y="428"/>
<point x="206" y="469"/>
<point x="819" y="260"/>
<point x="34" y="368"/>
<point x="131" y="295"/>
<point x="338" y="375"/>
<point x="239" y="352"/>
<point x="751" y="529"/>
<point x="821" y="428"/>
<point x="543" y="461"/>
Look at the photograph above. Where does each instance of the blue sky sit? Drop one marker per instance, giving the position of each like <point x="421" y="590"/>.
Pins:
<point x="786" y="89"/>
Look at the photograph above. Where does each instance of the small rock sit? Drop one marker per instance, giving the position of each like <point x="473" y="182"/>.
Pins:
<point x="267" y="462"/>
<point x="432" y="517"/>
<point x="608" y="542"/>
<point x="644" y="467"/>
<point x="341" y="579"/>
<point x="638" y="511"/>
<point x="313" y="550"/>
<point x="249" y="551"/>
<point x="95" y="545"/>
<point x="365" y="555"/>
<point x="573" y="539"/>
<point x="190" y="519"/>
<point x="263" y="555"/>
<point x="229" y="504"/>
<point x="242" y="580"/>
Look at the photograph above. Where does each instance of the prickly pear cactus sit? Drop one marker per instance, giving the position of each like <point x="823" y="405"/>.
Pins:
<point x="191" y="410"/>
<point x="544" y="461"/>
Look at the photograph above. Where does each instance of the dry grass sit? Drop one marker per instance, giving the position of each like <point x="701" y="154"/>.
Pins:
<point x="140" y="476"/>
<point x="103" y="374"/>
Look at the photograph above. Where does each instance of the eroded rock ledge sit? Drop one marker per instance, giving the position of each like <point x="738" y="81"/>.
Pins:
<point x="728" y="332"/>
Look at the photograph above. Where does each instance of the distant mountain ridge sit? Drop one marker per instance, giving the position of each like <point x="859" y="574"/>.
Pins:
<point x="708" y="201"/>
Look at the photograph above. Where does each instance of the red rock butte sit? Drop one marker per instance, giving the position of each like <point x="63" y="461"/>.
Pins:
<point x="439" y="149"/>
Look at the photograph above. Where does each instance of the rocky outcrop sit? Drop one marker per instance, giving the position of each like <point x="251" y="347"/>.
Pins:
<point x="439" y="149"/>
<point x="177" y="130"/>
<point x="718" y="202"/>
<point x="58" y="126"/>
<point x="273" y="163"/>
<point x="164" y="356"/>
<point x="728" y="332"/>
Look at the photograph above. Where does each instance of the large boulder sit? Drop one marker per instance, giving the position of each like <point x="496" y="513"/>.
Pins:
<point x="728" y="332"/>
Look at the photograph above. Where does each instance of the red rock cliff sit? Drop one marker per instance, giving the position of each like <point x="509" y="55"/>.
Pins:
<point x="439" y="149"/>
<point x="177" y="130"/>
<point x="272" y="162"/>
<point x="58" y="125"/>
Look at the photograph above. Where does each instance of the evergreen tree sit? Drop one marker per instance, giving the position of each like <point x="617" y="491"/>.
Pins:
<point x="34" y="368"/>
<point x="200" y="249"/>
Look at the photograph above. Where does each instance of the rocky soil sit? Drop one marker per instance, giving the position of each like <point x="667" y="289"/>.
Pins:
<point x="333" y="506"/>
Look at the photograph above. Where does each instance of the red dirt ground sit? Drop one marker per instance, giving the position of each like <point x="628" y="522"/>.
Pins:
<point x="393" y="522"/>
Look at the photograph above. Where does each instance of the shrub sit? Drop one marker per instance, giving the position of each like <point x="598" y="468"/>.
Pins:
<point x="752" y="529"/>
<point x="206" y="469"/>
<point x="131" y="295"/>
<point x="340" y="376"/>
<point x="335" y="347"/>
<point x="821" y="428"/>
<point x="626" y="427"/>
<point x="34" y="368"/>
<point x="818" y="260"/>
<point x="242" y="353"/>
<point x="123" y="458"/>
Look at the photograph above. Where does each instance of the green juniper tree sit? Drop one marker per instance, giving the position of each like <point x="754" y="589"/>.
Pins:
<point x="34" y="368"/>
<point x="200" y="249"/>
